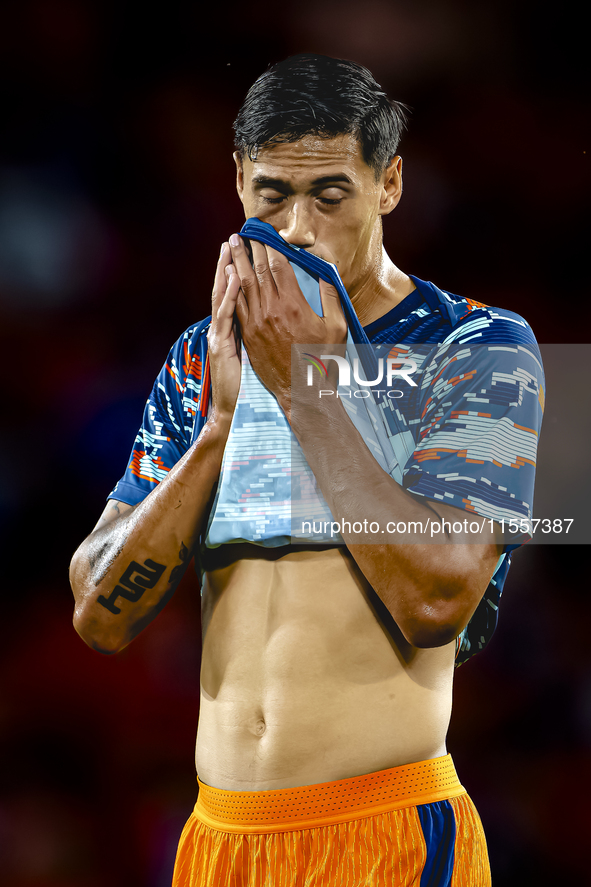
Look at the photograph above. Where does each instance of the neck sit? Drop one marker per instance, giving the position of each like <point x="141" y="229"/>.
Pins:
<point x="382" y="287"/>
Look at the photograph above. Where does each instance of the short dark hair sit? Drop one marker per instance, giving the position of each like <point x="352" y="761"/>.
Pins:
<point x="315" y="94"/>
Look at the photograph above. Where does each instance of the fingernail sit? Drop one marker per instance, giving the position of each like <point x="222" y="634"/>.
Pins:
<point x="222" y="250"/>
<point x="234" y="240"/>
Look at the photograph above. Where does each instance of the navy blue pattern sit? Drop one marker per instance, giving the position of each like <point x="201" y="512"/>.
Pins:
<point x="439" y="829"/>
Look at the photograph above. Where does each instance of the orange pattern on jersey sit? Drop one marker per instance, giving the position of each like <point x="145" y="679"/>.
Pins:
<point x="192" y="365"/>
<point x="135" y="465"/>
<point x="423" y="455"/>
<point x="472" y="306"/>
<point x="205" y="389"/>
<point x="174" y="379"/>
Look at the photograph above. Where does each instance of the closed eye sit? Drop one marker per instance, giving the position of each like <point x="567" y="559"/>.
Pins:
<point x="327" y="201"/>
<point x="330" y="196"/>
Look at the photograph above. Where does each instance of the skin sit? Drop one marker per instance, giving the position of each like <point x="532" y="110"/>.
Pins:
<point x="317" y="664"/>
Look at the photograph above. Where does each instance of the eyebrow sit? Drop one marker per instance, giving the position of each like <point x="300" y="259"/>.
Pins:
<point x="270" y="182"/>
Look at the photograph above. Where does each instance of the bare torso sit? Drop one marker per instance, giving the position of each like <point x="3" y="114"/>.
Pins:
<point x="306" y="679"/>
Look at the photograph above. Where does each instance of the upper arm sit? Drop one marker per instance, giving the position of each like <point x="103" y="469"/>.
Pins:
<point x="478" y="545"/>
<point x="475" y="464"/>
<point x="171" y="421"/>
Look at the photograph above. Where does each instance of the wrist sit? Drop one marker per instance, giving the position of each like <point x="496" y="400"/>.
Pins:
<point x="214" y="433"/>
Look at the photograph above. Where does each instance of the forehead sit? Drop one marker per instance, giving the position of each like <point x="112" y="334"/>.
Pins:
<point x="310" y="158"/>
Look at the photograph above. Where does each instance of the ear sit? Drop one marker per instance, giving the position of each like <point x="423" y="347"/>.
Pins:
<point x="239" y="175"/>
<point x="391" y="186"/>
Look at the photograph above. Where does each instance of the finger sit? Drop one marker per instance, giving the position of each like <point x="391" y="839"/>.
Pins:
<point x="283" y="275"/>
<point x="220" y="281"/>
<point x="333" y="310"/>
<point x="228" y="304"/>
<point x="242" y="311"/>
<point x="246" y="273"/>
<point x="225" y="313"/>
<point x="275" y="276"/>
<point x="267" y="287"/>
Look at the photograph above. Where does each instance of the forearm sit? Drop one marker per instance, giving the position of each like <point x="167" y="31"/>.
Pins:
<point x="431" y="590"/>
<point x="124" y="572"/>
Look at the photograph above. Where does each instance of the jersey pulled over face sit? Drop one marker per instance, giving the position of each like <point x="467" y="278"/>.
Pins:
<point x="319" y="194"/>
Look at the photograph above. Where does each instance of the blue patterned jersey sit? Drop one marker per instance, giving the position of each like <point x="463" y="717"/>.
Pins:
<point x="475" y="416"/>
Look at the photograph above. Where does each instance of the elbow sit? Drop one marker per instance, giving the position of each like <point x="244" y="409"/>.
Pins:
<point x="437" y="613"/>
<point x="426" y="634"/>
<point x="95" y="635"/>
<point x="434" y="625"/>
<point x="89" y="625"/>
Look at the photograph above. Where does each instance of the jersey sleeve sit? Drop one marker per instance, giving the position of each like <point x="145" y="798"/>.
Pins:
<point x="172" y="418"/>
<point x="480" y="411"/>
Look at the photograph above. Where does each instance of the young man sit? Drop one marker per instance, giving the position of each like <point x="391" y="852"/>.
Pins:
<point x="327" y="669"/>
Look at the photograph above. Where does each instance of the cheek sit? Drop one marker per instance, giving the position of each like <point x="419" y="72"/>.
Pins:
<point x="248" y="207"/>
<point x="266" y="212"/>
<point x="354" y="236"/>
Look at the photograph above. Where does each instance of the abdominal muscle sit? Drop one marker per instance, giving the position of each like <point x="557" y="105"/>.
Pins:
<point x="306" y="679"/>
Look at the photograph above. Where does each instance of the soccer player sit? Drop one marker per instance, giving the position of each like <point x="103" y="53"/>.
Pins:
<point x="326" y="677"/>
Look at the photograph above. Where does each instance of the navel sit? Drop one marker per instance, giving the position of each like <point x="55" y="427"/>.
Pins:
<point x="257" y="725"/>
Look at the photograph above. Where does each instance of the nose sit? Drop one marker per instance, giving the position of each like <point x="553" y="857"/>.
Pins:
<point x="297" y="227"/>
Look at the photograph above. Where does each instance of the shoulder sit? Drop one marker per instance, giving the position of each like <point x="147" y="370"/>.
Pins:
<point x="433" y="316"/>
<point x="195" y="336"/>
<point x="473" y="320"/>
<point x="496" y="338"/>
<point x="461" y="315"/>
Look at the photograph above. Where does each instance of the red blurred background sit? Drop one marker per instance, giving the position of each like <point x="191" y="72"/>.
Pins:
<point x="116" y="191"/>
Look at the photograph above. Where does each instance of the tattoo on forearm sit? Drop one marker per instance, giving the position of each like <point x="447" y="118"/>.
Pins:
<point x="132" y="584"/>
<point x="176" y="574"/>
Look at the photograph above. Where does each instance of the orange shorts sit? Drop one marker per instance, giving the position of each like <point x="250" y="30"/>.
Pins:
<point x="412" y="825"/>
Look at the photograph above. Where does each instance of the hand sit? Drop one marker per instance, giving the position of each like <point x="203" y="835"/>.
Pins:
<point x="274" y="315"/>
<point x="223" y="339"/>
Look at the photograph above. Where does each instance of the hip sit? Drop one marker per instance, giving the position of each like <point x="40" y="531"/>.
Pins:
<point x="403" y="826"/>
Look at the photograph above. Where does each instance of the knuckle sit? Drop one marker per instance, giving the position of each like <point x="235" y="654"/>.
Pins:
<point x="247" y="281"/>
<point x="275" y="266"/>
<point x="261" y="268"/>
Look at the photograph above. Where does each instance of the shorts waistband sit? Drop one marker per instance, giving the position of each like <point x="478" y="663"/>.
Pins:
<point x="328" y="803"/>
